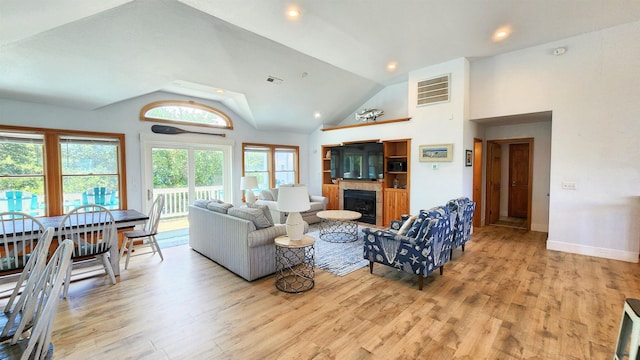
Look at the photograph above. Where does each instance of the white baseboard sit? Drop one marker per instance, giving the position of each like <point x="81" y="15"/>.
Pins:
<point x="540" y="227"/>
<point x="628" y="256"/>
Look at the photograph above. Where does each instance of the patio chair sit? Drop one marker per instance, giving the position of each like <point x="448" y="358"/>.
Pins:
<point x="91" y="242"/>
<point x="17" y="199"/>
<point x="101" y="196"/>
<point x="148" y="233"/>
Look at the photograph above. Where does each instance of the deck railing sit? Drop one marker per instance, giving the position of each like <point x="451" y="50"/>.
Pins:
<point x="176" y="200"/>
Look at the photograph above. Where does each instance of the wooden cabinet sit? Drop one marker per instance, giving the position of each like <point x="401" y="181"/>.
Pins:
<point x="326" y="164"/>
<point x="395" y="203"/>
<point x="397" y="170"/>
<point x="395" y="183"/>
<point x="396" y="163"/>
<point x="330" y="191"/>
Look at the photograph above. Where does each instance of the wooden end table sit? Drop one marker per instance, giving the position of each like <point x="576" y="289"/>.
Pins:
<point x="295" y="264"/>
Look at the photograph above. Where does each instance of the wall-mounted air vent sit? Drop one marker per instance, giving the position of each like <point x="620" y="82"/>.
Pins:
<point x="435" y="90"/>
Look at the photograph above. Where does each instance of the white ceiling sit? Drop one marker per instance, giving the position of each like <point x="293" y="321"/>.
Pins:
<point x="89" y="54"/>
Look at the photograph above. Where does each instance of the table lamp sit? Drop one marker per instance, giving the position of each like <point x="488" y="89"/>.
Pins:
<point x="249" y="183"/>
<point x="293" y="199"/>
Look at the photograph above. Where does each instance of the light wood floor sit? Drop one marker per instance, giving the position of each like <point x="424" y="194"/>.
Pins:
<point x="505" y="297"/>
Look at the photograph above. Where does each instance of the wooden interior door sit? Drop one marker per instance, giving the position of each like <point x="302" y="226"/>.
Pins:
<point x="494" y="167"/>
<point x="477" y="181"/>
<point x="518" y="180"/>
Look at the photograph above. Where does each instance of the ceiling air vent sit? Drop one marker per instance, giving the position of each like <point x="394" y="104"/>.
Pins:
<point x="274" y="80"/>
<point x="434" y="90"/>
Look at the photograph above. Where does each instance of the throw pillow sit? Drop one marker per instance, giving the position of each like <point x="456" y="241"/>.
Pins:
<point x="254" y="215"/>
<point x="266" y="195"/>
<point x="219" y="207"/>
<point x="201" y="203"/>
<point x="274" y="194"/>
<point x="407" y="225"/>
<point x="265" y="211"/>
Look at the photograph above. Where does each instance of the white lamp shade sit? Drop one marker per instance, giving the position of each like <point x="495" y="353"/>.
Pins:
<point x="248" y="183"/>
<point x="293" y="199"/>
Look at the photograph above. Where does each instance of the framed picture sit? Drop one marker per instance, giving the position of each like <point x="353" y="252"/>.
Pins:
<point x="468" y="158"/>
<point x="433" y="153"/>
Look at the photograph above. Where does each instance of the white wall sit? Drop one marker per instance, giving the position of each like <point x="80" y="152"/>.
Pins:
<point x="541" y="134"/>
<point x="593" y="93"/>
<point x="123" y="117"/>
<point x="433" y="124"/>
<point x="391" y="99"/>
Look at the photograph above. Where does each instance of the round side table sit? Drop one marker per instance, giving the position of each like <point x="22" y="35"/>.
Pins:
<point x="339" y="226"/>
<point x="294" y="264"/>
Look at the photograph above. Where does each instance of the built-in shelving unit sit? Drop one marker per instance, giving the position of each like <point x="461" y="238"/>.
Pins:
<point x="329" y="187"/>
<point x="395" y="181"/>
<point x="397" y="156"/>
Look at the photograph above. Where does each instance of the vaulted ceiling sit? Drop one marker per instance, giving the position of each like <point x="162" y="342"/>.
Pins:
<point x="331" y="58"/>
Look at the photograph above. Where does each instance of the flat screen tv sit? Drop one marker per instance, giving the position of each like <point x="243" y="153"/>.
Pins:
<point x="357" y="161"/>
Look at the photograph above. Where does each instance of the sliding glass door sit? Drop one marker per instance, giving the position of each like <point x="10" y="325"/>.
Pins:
<point x="184" y="173"/>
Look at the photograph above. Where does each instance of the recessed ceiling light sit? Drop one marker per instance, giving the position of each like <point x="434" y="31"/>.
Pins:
<point x="317" y="115"/>
<point x="502" y="33"/>
<point x="220" y="91"/>
<point x="392" y="66"/>
<point x="293" y="13"/>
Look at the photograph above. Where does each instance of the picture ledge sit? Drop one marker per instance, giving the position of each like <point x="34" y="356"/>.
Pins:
<point x="366" y="124"/>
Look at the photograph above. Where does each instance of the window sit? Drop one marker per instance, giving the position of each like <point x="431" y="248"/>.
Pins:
<point x="273" y="165"/>
<point x="79" y="168"/>
<point x="286" y="165"/>
<point x="89" y="171"/>
<point x="22" y="173"/>
<point x="185" y="112"/>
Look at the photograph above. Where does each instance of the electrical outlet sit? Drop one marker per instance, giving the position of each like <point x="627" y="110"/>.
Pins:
<point x="569" y="185"/>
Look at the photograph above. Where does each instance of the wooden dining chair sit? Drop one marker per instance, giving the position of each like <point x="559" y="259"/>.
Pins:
<point x="40" y="310"/>
<point x="23" y="289"/>
<point x="93" y="232"/>
<point x="147" y="235"/>
<point x="19" y="233"/>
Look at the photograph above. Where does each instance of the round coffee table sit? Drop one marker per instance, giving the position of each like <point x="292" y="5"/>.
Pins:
<point x="339" y="225"/>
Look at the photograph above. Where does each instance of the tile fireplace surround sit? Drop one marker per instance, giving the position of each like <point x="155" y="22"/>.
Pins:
<point x="363" y="185"/>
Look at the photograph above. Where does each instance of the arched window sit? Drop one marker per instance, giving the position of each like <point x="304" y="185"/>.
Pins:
<point x="185" y="112"/>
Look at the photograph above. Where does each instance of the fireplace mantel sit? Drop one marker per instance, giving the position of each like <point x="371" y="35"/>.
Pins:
<point x="363" y="185"/>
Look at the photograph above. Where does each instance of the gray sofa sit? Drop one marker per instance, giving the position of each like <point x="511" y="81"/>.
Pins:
<point x="270" y="198"/>
<point x="233" y="241"/>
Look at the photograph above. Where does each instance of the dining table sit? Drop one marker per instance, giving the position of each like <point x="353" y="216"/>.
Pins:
<point x="124" y="220"/>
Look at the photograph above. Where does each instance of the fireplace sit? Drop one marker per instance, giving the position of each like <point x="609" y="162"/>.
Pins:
<point x="362" y="201"/>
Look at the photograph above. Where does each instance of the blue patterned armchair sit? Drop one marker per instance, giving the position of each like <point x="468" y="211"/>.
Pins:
<point x="421" y="254"/>
<point x="464" y="209"/>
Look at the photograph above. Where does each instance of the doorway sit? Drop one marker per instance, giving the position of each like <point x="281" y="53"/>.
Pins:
<point x="509" y="182"/>
<point x="183" y="172"/>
